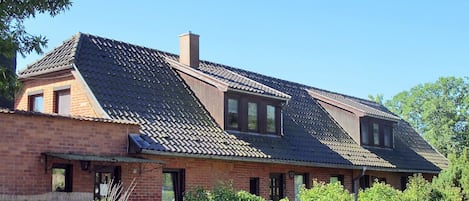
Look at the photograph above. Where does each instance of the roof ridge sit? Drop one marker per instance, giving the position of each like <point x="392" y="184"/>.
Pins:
<point x="130" y="44"/>
<point x="74" y="37"/>
<point x="253" y="81"/>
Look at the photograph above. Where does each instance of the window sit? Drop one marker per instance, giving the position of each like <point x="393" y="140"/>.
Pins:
<point x="376" y="132"/>
<point x="173" y="185"/>
<point x="61" y="178"/>
<point x="271" y="128"/>
<point x="252" y="117"/>
<point x="276" y="186"/>
<point x="299" y="180"/>
<point x="36" y="103"/>
<point x="387" y="136"/>
<point x="378" y="179"/>
<point x="232" y="119"/>
<point x="337" y="178"/>
<point x="62" y="102"/>
<point x="404" y="181"/>
<point x="252" y="114"/>
<point x="103" y="176"/>
<point x="365" y="135"/>
<point x="254" y="185"/>
<point x="365" y="182"/>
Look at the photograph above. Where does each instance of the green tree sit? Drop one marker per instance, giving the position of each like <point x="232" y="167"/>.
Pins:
<point x="438" y="111"/>
<point x="322" y="191"/>
<point x="14" y="37"/>
<point x="379" y="98"/>
<point x="456" y="175"/>
<point x="380" y="192"/>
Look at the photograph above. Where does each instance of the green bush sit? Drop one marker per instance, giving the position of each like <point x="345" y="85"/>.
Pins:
<point x="197" y="194"/>
<point x="245" y="196"/>
<point x="325" y="192"/>
<point x="221" y="192"/>
<point x="420" y="189"/>
<point x="380" y="192"/>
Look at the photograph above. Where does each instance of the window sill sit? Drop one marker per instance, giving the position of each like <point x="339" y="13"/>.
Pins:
<point x="236" y="132"/>
<point x="377" y="147"/>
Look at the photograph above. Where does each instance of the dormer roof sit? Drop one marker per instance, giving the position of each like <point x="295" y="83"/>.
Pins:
<point x="359" y="107"/>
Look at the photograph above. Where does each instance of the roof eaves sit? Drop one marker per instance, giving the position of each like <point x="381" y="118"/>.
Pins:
<point x="286" y="162"/>
<point x="259" y="94"/>
<point x="54" y="115"/>
<point x="222" y="86"/>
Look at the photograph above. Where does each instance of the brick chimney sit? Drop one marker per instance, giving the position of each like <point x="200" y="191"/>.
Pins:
<point x="189" y="49"/>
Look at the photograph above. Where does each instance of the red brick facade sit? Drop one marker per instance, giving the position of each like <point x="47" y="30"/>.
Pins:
<point x="26" y="136"/>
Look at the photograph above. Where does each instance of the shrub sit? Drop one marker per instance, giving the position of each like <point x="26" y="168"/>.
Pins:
<point x="221" y="192"/>
<point x="380" y="192"/>
<point x="197" y="194"/>
<point x="245" y="196"/>
<point x="420" y="189"/>
<point x="324" y="192"/>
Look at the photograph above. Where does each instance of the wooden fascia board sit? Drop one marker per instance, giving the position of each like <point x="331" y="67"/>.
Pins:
<point x="339" y="104"/>
<point x="222" y="86"/>
<point x="90" y="95"/>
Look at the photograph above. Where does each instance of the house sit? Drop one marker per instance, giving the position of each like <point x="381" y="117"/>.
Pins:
<point x="207" y="122"/>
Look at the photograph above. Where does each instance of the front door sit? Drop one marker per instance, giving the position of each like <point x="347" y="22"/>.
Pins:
<point x="276" y="186"/>
<point x="103" y="177"/>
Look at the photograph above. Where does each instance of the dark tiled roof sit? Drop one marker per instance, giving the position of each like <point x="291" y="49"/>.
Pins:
<point x="58" y="59"/>
<point x="310" y="118"/>
<point x="138" y="84"/>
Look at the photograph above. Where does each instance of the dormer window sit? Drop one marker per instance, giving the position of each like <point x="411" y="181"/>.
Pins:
<point x="252" y="117"/>
<point x="376" y="132"/>
<point x="232" y="116"/>
<point x="252" y="114"/>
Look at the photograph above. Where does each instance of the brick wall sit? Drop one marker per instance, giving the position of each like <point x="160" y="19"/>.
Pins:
<point x="25" y="137"/>
<point x="209" y="172"/>
<point x="81" y="105"/>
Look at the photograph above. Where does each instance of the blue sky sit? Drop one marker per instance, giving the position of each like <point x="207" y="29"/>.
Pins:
<point x="352" y="47"/>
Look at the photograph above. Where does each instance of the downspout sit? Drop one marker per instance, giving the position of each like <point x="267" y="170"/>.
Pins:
<point x="355" y="190"/>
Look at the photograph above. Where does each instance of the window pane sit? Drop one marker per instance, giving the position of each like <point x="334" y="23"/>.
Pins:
<point x="37" y="102"/>
<point x="388" y="136"/>
<point x="299" y="181"/>
<point x="365" y="135"/>
<point x="233" y="121"/>
<point x="169" y="187"/>
<point x="334" y="180"/>
<point x="252" y="116"/>
<point x="271" y="119"/>
<point x="375" y="134"/>
<point x="63" y="102"/>
<point x="58" y="179"/>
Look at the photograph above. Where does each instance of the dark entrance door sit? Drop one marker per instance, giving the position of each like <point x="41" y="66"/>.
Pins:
<point x="276" y="186"/>
<point x="103" y="176"/>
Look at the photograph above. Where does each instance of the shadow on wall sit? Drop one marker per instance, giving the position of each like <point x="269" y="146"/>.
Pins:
<point x="52" y="196"/>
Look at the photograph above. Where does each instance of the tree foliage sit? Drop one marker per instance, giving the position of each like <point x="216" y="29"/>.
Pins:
<point x="379" y="192"/>
<point x="439" y="111"/>
<point x="13" y="35"/>
<point x="456" y="175"/>
<point x="15" y="39"/>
